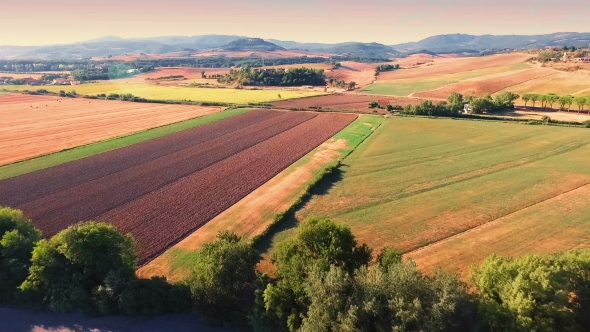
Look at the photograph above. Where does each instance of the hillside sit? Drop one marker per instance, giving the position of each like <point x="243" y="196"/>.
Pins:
<point x="450" y="43"/>
<point x="455" y="43"/>
<point x="251" y="44"/>
<point x="374" y="50"/>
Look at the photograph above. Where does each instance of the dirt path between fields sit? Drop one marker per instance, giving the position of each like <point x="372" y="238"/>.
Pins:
<point x="255" y="212"/>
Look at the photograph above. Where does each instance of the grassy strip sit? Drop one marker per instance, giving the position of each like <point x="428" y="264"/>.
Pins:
<point x="354" y="134"/>
<point x="491" y="118"/>
<point x="64" y="156"/>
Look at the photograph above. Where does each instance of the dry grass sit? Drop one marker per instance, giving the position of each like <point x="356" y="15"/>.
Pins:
<point x="487" y="84"/>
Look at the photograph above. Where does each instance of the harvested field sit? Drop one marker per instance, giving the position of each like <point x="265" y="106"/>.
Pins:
<point x="188" y="73"/>
<point x="362" y="74"/>
<point x="347" y="101"/>
<point x="152" y="91"/>
<point x="561" y="83"/>
<point x="162" y="190"/>
<point x="408" y="86"/>
<point x="37" y="125"/>
<point x="416" y="59"/>
<point x="418" y="182"/>
<point x="446" y="66"/>
<point x="482" y="86"/>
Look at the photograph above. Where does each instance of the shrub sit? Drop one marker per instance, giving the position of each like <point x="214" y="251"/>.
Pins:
<point x="17" y="239"/>
<point x="67" y="269"/>
<point x="373" y="104"/>
<point x="535" y="292"/>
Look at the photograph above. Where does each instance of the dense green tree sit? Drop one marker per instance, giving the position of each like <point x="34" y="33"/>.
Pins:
<point x="552" y="99"/>
<point x="505" y="101"/>
<point x="535" y="292"/>
<point x="455" y="102"/>
<point x="389" y="257"/>
<point x="398" y="298"/>
<point x="221" y="274"/>
<point x="319" y="244"/>
<point x="581" y="102"/>
<point x="482" y="105"/>
<point x="67" y="269"/>
<point x="535" y="98"/>
<point x="18" y="236"/>
<point x="526" y="98"/>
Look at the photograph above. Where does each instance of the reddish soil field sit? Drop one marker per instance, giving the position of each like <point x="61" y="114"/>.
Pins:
<point x="486" y="86"/>
<point x="31" y="126"/>
<point x="346" y="101"/>
<point x="164" y="189"/>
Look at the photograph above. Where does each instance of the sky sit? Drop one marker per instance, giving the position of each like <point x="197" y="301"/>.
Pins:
<point x="42" y="22"/>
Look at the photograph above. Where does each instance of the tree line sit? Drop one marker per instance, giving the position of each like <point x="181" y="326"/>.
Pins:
<point x="325" y="281"/>
<point x="274" y="77"/>
<point x="385" y="67"/>
<point x="455" y="105"/>
<point x="563" y="102"/>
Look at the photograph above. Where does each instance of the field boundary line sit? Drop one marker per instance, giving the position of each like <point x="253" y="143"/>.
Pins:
<point x="491" y="222"/>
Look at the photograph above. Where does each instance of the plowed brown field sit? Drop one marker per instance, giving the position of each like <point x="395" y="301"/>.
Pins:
<point x="31" y="126"/>
<point x="481" y="87"/>
<point x="162" y="190"/>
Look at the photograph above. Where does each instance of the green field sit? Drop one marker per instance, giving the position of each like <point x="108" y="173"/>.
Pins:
<point x="150" y="91"/>
<point x="84" y="151"/>
<point x="418" y="181"/>
<point x="404" y="87"/>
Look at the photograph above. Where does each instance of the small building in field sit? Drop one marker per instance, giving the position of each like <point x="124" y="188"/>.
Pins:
<point x="61" y="81"/>
<point x="568" y="55"/>
<point x="585" y="60"/>
<point x="383" y="102"/>
<point x="75" y="82"/>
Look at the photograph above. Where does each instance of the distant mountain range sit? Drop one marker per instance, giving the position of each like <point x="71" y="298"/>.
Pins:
<point x="457" y="43"/>
<point x="452" y="43"/>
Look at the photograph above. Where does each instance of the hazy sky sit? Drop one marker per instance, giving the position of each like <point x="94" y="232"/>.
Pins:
<point x="37" y="22"/>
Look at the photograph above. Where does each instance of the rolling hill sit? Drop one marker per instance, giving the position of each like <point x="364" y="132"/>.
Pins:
<point x="250" y="44"/>
<point x="456" y="43"/>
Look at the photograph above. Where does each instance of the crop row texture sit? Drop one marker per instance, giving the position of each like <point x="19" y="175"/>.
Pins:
<point x="162" y="190"/>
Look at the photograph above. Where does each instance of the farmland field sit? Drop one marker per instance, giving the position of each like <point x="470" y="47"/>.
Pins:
<point x="252" y="215"/>
<point x="404" y="82"/>
<point x="163" y="189"/>
<point x="487" y="85"/>
<point x="345" y="102"/>
<point x="31" y="126"/>
<point x="442" y="184"/>
<point x="64" y="156"/>
<point x="152" y="91"/>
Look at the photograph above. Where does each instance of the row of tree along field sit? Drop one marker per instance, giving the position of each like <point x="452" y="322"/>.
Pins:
<point x="551" y="100"/>
<point x="325" y="281"/>
<point x="455" y="105"/>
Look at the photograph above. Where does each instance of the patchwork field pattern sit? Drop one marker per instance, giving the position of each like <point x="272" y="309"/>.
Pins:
<point x="162" y="190"/>
<point x="483" y="86"/>
<point x="31" y="126"/>
<point x="422" y="183"/>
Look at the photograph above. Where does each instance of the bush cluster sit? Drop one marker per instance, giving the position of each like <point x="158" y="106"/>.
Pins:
<point x="325" y="281"/>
